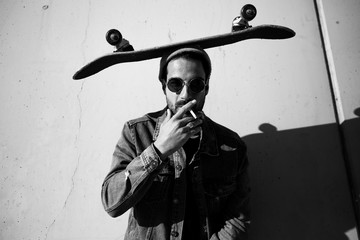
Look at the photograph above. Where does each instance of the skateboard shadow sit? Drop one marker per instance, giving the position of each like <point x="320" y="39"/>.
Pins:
<point x="299" y="183"/>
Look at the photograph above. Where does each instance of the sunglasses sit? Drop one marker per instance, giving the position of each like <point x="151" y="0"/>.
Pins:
<point x="195" y="85"/>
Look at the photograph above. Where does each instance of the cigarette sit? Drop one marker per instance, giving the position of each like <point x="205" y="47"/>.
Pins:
<point x="127" y="174"/>
<point x="193" y="114"/>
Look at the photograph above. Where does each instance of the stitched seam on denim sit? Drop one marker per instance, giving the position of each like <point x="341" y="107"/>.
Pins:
<point x="139" y="120"/>
<point x="143" y="157"/>
<point x="148" y="156"/>
<point x="132" y="134"/>
<point x="157" y="129"/>
<point x="129" y="194"/>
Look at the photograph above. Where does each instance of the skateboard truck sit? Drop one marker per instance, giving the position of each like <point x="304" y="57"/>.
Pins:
<point x="114" y="38"/>
<point x="247" y="13"/>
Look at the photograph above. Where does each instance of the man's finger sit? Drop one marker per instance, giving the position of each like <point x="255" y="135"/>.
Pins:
<point x="185" y="120"/>
<point x="168" y="115"/>
<point x="195" y="131"/>
<point x="195" y="123"/>
<point x="184" y="109"/>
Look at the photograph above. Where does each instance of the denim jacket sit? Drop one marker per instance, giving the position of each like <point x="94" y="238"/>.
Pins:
<point x="155" y="190"/>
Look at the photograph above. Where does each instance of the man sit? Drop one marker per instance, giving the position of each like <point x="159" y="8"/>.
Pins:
<point x="183" y="177"/>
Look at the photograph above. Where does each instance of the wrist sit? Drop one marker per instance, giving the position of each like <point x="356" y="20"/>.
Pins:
<point x="159" y="152"/>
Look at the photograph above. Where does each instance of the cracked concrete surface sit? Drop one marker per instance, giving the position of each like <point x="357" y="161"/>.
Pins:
<point x="77" y="137"/>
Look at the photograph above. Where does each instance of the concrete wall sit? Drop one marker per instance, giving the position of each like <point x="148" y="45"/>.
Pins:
<point x="57" y="135"/>
<point x="341" y="36"/>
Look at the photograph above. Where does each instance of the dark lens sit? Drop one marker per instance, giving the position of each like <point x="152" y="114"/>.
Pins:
<point x="197" y="85"/>
<point x="175" y="84"/>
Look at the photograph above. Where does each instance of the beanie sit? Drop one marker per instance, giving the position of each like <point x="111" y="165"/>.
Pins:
<point x="195" y="51"/>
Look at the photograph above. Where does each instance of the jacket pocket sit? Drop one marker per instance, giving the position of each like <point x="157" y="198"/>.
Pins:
<point x="219" y="187"/>
<point x="217" y="191"/>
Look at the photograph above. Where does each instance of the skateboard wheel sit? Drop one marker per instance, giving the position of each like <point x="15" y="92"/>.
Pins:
<point x="248" y="12"/>
<point x="113" y="37"/>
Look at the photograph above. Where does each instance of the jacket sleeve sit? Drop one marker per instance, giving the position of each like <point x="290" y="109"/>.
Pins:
<point x="130" y="176"/>
<point x="237" y="211"/>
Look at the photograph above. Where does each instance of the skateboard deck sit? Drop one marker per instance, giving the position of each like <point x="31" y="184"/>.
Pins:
<point x="258" y="32"/>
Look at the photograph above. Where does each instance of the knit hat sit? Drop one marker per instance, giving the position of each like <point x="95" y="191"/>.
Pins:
<point x="197" y="51"/>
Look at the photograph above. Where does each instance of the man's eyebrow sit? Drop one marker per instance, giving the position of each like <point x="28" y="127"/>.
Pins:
<point x="176" y="78"/>
<point x="201" y="78"/>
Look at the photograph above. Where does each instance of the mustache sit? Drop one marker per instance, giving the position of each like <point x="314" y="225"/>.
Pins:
<point x="182" y="103"/>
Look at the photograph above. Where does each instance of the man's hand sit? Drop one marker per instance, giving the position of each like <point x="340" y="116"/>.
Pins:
<point x="176" y="130"/>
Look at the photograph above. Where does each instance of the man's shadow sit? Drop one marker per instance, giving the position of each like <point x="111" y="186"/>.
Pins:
<point x="299" y="180"/>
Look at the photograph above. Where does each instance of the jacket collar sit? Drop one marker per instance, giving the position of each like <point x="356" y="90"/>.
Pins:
<point x="208" y="143"/>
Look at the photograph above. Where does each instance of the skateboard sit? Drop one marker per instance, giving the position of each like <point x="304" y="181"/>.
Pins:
<point x="240" y="31"/>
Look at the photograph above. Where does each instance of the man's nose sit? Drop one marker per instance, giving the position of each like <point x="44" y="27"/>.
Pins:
<point x="185" y="94"/>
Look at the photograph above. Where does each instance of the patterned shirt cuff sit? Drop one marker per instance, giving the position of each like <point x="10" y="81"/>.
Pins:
<point x="150" y="158"/>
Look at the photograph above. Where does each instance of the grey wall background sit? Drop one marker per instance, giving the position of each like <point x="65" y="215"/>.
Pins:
<point x="296" y="103"/>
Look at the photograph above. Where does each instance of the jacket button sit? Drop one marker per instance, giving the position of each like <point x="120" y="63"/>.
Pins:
<point x="174" y="234"/>
<point x="154" y="163"/>
<point x="178" y="167"/>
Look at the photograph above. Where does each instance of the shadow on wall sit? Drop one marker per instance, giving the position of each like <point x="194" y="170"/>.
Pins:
<point x="351" y="133"/>
<point x="299" y="184"/>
